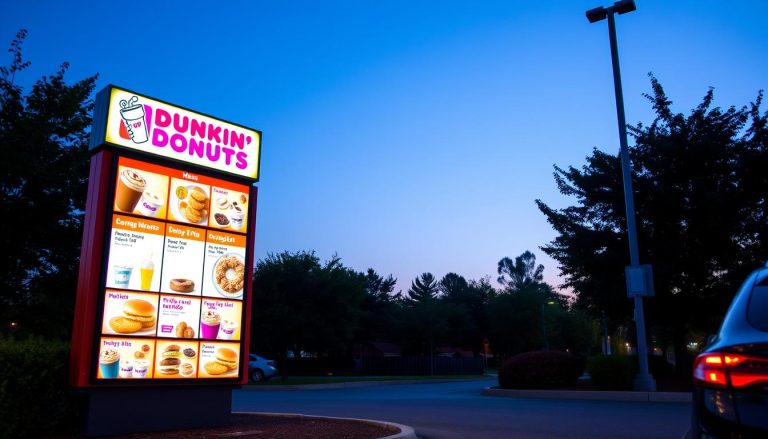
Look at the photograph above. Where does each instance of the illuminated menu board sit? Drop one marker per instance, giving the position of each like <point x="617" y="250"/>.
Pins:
<point x="172" y="303"/>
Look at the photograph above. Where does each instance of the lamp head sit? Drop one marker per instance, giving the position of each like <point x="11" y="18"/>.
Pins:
<point x="624" y="6"/>
<point x="597" y="14"/>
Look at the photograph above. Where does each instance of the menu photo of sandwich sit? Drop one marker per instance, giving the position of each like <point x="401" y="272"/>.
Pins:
<point x="219" y="360"/>
<point x="176" y="359"/>
<point x="127" y="313"/>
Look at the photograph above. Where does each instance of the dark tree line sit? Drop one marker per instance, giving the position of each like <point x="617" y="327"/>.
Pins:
<point x="303" y="305"/>
<point x="700" y="194"/>
<point x="44" y="142"/>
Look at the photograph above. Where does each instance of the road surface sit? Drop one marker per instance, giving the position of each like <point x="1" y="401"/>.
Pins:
<point x="457" y="410"/>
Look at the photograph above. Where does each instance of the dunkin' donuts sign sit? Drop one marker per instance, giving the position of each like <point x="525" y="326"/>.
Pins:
<point x="134" y="121"/>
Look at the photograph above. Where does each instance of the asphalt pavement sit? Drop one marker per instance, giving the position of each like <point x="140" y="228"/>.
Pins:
<point x="449" y="410"/>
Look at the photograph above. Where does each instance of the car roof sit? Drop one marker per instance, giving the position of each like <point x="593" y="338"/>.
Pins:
<point x="737" y="329"/>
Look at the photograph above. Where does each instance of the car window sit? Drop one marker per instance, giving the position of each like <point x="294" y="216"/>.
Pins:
<point x="757" y="309"/>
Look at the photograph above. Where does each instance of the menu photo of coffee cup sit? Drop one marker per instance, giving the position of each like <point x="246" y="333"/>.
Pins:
<point x="229" y="209"/>
<point x="125" y="358"/>
<point x="141" y="192"/>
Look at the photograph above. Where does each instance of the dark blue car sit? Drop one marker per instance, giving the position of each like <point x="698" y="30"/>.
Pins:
<point x="730" y="397"/>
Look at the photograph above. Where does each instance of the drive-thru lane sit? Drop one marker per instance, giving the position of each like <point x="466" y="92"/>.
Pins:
<point x="457" y="410"/>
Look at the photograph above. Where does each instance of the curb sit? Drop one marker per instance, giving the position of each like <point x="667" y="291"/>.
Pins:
<point x="591" y="395"/>
<point x="352" y="384"/>
<point x="406" y="432"/>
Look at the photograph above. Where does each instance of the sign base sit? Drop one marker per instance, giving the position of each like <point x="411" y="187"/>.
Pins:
<point x="113" y="411"/>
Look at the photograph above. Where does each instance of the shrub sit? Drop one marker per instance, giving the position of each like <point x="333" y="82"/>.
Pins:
<point x="540" y="369"/>
<point x="611" y="372"/>
<point x="616" y="372"/>
<point x="34" y="395"/>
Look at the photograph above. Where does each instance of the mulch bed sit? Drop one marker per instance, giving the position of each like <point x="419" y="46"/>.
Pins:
<point x="244" y="426"/>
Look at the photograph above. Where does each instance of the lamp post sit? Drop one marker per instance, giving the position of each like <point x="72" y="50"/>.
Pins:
<point x="544" y="325"/>
<point x="644" y="380"/>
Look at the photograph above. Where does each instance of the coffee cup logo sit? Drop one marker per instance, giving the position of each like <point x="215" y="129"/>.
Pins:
<point x="134" y="120"/>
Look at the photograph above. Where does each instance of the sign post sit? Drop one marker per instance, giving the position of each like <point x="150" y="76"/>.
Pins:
<point x="163" y="301"/>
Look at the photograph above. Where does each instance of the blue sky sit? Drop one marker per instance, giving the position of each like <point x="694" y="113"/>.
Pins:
<point x="407" y="136"/>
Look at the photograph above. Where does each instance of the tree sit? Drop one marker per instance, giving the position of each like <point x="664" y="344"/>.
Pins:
<point x="521" y="273"/>
<point x="423" y="289"/>
<point x="43" y="180"/>
<point x="300" y="304"/>
<point x="700" y="201"/>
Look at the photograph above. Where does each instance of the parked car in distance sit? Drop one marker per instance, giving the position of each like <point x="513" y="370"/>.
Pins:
<point x="260" y="368"/>
<point x="730" y="377"/>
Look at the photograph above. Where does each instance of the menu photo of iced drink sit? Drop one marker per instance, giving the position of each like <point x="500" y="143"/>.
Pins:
<point x="140" y="191"/>
<point x="129" y="313"/>
<point x="183" y="260"/>
<point x="220" y="319"/>
<point x="229" y="209"/>
<point x="178" y="316"/>
<point x="136" y="251"/>
<point x="224" y="273"/>
<point x="219" y="360"/>
<point x="125" y="358"/>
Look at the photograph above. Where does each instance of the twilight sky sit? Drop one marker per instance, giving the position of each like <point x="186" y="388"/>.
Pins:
<point x="406" y="136"/>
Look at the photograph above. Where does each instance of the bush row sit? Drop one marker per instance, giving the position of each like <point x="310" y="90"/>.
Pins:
<point x="542" y="370"/>
<point x="34" y="396"/>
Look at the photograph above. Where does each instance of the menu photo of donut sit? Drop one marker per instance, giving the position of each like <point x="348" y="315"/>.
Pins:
<point x="178" y="317"/>
<point x="129" y="313"/>
<point x="220" y="319"/>
<point x="229" y="209"/>
<point x="190" y="201"/>
<point x="125" y="358"/>
<point x="183" y="259"/>
<point x="224" y="273"/>
<point x="139" y="190"/>
<point x="176" y="359"/>
<point x="219" y="360"/>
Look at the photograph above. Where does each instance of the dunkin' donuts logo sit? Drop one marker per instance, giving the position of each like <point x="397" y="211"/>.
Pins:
<point x="184" y="134"/>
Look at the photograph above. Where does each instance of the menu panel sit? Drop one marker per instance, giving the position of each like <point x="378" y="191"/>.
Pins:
<point x="173" y="297"/>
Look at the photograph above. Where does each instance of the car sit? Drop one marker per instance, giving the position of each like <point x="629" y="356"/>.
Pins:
<point x="730" y="377"/>
<point x="260" y="368"/>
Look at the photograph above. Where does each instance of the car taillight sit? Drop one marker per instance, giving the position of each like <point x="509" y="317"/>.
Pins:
<point x="720" y="370"/>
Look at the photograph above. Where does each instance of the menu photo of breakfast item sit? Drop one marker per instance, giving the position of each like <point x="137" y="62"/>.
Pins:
<point x="140" y="191"/>
<point x="178" y="317"/>
<point x="220" y="319"/>
<point x="224" y="273"/>
<point x="219" y="360"/>
<point x="190" y="201"/>
<point x="176" y="359"/>
<point x="228" y="209"/>
<point x="125" y="358"/>
<point x="183" y="259"/>
<point x="135" y="253"/>
<point x="128" y="313"/>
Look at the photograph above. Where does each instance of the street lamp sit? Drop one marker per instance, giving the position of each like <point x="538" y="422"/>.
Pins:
<point x="544" y="325"/>
<point x="635" y="273"/>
